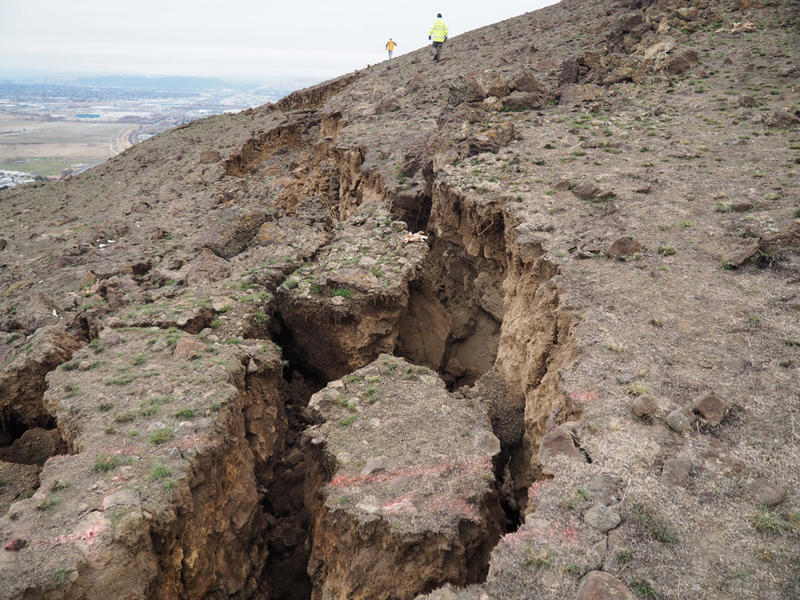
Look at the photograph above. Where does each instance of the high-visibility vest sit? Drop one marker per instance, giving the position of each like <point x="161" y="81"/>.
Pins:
<point x="438" y="31"/>
<point x="390" y="45"/>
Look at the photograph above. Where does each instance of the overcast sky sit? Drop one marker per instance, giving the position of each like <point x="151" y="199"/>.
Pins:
<point x="235" y="39"/>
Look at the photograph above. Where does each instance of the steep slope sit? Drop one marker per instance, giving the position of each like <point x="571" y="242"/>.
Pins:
<point x="606" y="272"/>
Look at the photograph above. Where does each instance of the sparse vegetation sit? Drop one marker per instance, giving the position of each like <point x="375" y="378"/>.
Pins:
<point x="162" y="435"/>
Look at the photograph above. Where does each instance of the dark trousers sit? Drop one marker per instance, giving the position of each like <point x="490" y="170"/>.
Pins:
<point x="437" y="50"/>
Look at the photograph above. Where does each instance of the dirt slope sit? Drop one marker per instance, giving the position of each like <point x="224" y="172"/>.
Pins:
<point x="584" y="223"/>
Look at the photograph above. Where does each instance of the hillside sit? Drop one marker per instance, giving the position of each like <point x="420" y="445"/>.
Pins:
<point x="520" y="324"/>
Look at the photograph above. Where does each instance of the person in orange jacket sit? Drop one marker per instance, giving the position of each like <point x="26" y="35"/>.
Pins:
<point x="390" y="45"/>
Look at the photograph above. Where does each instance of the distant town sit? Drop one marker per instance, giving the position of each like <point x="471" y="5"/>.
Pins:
<point x="53" y="130"/>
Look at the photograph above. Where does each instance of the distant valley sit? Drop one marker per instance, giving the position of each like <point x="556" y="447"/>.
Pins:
<point x="56" y="129"/>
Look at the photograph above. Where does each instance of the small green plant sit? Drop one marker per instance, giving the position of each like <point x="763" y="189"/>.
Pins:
<point x="768" y="522"/>
<point x="162" y="435"/>
<point x="105" y="406"/>
<point x="687" y="223"/>
<point x="343" y="292"/>
<point x="126" y="417"/>
<point x="536" y="561"/>
<point x="614" y="348"/>
<point x="139" y="359"/>
<point x="61" y="575"/>
<point x="624" y="556"/>
<point x="48" y="503"/>
<point x="105" y="463"/>
<point x="186" y="413"/>
<point x="638" y="389"/>
<point x="70" y="366"/>
<point x="666" y="251"/>
<point x="653" y="525"/>
<point x="643" y="589"/>
<point x="71" y="389"/>
<point x="348" y="420"/>
<point x="234" y="341"/>
<point x="160" y="472"/>
<point x="59" y="485"/>
<point x="656" y="323"/>
<point x="97" y="346"/>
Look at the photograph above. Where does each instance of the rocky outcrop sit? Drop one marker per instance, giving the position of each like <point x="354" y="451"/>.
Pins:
<point x="407" y="500"/>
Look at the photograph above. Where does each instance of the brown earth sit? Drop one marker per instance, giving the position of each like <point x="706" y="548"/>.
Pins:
<point x="579" y="236"/>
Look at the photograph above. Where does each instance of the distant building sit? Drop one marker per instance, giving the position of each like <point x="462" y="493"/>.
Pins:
<point x="87" y="116"/>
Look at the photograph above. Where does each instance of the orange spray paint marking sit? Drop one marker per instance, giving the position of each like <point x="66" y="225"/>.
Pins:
<point x="382" y="477"/>
<point x="89" y="534"/>
<point x="583" y="396"/>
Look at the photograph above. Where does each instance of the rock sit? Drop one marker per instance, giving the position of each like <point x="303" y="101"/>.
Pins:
<point x="465" y="89"/>
<point x="558" y="443"/>
<point x="659" y="48"/>
<point x="687" y="13"/>
<point x="492" y="140"/>
<point x="748" y="101"/>
<point x="680" y="420"/>
<point x="597" y="585"/>
<point x="188" y="348"/>
<point x="493" y="103"/>
<point x="526" y="82"/>
<point x="210" y="156"/>
<point x="207" y="267"/>
<point x="495" y="85"/>
<point x="589" y="191"/>
<point x="644" y="406"/>
<point x="682" y="62"/>
<point x="783" y="118"/>
<point x="712" y="408"/>
<point x="3" y="244"/>
<point x="16" y="544"/>
<point x="602" y="518"/>
<point x="676" y="471"/>
<point x="624" y="246"/>
<point x="766" y="492"/>
<point x="379" y="463"/>
<point x="231" y="231"/>
<point x="581" y="94"/>
<point x="387" y="104"/>
<point x="519" y="101"/>
<point x="742" y="253"/>
<point x="487" y="442"/>
<point x="570" y="70"/>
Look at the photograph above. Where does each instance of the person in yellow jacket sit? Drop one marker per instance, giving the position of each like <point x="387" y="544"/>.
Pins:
<point x="438" y="34"/>
<point x="390" y="45"/>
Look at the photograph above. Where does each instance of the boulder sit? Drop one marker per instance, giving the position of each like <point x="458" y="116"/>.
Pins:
<point x="712" y="408"/>
<point x="558" y="443"/>
<point x="597" y="585"/>
<point x="387" y="104"/>
<point x="602" y="518"/>
<point x="526" y="82"/>
<point x="492" y="140"/>
<point x="624" y="246"/>
<point x="644" y="406"/>
<point x="518" y="101"/>
<point x="766" y="492"/>
<point x="680" y="420"/>
<point x="682" y="62"/>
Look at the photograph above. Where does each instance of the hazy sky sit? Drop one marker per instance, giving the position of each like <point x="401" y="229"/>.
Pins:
<point x="234" y="39"/>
